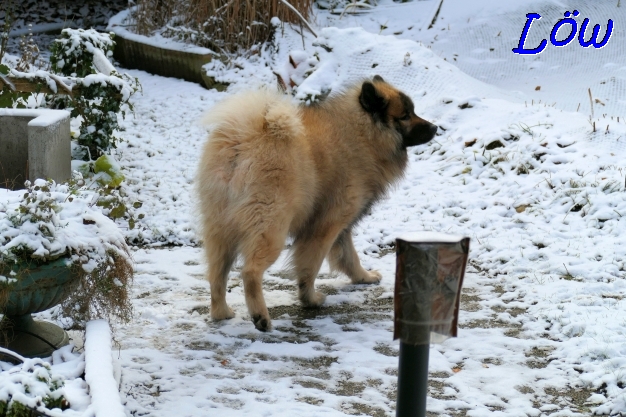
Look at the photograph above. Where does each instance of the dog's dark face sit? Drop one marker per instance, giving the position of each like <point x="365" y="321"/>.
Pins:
<point x="395" y="109"/>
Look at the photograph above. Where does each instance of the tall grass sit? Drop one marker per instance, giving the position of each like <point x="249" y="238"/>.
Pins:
<point x="222" y="25"/>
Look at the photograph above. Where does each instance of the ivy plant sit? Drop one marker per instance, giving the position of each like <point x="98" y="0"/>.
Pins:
<point x="104" y="93"/>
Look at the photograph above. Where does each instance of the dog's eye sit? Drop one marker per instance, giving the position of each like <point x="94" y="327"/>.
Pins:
<point x="406" y="117"/>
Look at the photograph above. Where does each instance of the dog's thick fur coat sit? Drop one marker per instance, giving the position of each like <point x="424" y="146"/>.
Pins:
<point x="272" y="169"/>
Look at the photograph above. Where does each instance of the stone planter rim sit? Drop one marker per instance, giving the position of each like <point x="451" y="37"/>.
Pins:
<point x="54" y="294"/>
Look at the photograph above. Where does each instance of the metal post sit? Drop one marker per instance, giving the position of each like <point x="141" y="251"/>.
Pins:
<point x="429" y="275"/>
<point x="412" y="380"/>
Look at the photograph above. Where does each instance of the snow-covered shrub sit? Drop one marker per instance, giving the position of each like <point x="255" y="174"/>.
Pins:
<point x="31" y="389"/>
<point x="104" y="93"/>
<point x="48" y="221"/>
<point x="74" y="53"/>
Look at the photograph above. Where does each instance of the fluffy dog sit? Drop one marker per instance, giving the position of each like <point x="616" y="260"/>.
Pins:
<point x="272" y="169"/>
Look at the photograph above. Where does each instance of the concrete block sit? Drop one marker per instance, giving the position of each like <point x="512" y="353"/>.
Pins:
<point x="34" y="143"/>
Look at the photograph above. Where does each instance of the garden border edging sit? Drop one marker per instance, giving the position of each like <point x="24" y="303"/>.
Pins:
<point x="100" y="372"/>
<point x="164" y="57"/>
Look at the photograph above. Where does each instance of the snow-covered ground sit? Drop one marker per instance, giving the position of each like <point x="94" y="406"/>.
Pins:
<point x="519" y="170"/>
<point x="522" y="171"/>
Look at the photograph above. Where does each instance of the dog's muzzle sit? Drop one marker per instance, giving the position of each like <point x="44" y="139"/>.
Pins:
<point x="421" y="133"/>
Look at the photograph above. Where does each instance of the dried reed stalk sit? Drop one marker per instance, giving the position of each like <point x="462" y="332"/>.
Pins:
<point x="223" y="25"/>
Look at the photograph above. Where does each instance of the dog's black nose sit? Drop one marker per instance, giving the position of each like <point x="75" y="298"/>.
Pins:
<point x="432" y="129"/>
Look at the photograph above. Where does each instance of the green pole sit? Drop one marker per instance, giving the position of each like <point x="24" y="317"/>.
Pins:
<point x="412" y="380"/>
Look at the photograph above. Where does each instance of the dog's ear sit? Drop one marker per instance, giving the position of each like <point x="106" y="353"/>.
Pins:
<point x="371" y="100"/>
<point x="378" y="78"/>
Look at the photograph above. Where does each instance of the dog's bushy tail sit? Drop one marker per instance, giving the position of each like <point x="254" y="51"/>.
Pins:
<point x="248" y="115"/>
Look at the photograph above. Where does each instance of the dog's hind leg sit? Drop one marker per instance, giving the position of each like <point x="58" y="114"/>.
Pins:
<point x="308" y="254"/>
<point x="261" y="252"/>
<point x="221" y="255"/>
<point x="343" y="257"/>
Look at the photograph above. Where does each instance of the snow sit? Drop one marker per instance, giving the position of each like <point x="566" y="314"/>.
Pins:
<point x="118" y="23"/>
<point x="430" y="237"/>
<point x="105" y="398"/>
<point x="101" y="62"/>
<point x="89" y="39"/>
<point x="522" y="172"/>
<point x="41" y="117"/>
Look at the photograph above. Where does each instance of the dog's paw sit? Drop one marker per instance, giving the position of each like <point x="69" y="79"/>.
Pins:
<point x="313" y="300"/>
<point x="262" y="323"/>
<point x="222" y="313"/>
<point x="370" y="277"/>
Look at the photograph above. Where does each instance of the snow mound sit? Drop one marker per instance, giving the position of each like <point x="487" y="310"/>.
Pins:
<point x="349" y="55"/>
<point x="480" y="43"/>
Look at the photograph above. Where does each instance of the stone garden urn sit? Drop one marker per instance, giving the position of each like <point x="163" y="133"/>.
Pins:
<point x="39" y="288"/>
<point x="53" y="242"/>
